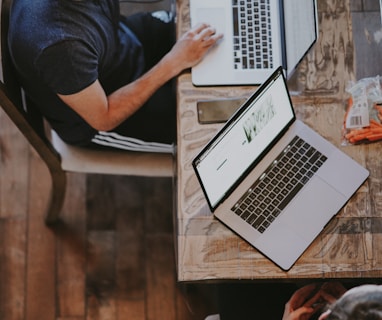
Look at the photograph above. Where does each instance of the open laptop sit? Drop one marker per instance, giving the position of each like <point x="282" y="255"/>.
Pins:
<point x="272" y="179"/>
<point x="259" y="35"/>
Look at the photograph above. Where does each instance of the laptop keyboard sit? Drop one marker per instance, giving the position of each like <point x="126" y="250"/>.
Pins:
<point x="252" y="34"/>
<point x="279" y="183"/>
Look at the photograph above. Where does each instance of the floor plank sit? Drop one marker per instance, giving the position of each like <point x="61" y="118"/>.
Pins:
<point x="14" y="170"/>
<point x="41" y="249"/>
<point x="100" y="283"/>
<point x="160" y="278"/>
<point x="71" y="250"/>
<point x="130" y="259"/>
<point x="12" y="269"/>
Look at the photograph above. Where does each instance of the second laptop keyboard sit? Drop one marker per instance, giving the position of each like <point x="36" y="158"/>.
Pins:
<point x="280" y="182"/>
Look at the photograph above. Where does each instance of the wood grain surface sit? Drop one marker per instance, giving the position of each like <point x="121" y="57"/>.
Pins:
<point x="347" y="248"/>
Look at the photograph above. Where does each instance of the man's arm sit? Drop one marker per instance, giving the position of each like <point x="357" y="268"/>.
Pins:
<point x="106" y="112"/>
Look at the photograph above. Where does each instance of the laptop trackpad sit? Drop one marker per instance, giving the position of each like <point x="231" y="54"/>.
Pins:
<point x="212" y="16"/>
<point x="281" y="245"/>
<point x="308" y="214"/>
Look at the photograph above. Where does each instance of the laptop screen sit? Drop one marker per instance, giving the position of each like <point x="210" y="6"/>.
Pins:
<point x="244" y="140"/>
<point x="300" y="21"/>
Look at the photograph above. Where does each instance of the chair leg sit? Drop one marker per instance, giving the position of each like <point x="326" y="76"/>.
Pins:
<point x="57" y="196"/>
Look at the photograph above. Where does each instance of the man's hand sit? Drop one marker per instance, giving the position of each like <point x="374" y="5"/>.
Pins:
<point x="193" y="45"/>
<point x="309" y="299"/>
<point x="301" y="305"/>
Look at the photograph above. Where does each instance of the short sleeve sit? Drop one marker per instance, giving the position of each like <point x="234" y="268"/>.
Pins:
<point x="68" y="66"/>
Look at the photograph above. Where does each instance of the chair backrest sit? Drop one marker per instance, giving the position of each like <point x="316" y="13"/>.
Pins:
<point x="27" y="119"/>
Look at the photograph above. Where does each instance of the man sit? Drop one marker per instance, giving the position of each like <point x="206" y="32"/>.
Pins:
<point x="316" y="301"/>
<point x="362" y="302"/>
<point x="99" y="78"/>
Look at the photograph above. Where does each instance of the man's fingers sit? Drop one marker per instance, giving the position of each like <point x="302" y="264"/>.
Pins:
<point x="328" y="297"/>
<point x="300" y="312"/>
<point x="206" y="34"/>
<point x="199" y="27"/>
<point x="301" y="295"/>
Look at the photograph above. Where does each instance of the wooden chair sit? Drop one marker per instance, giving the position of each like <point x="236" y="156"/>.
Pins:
<point x="59" y="156"/>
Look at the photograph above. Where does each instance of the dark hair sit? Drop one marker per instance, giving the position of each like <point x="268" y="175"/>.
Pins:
<point x="362" y="305"/>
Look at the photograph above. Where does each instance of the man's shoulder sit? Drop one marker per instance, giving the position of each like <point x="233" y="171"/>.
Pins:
<point x="39" y="24"/>
<point x="32" y="20"/>
<point x="36" y="10"/>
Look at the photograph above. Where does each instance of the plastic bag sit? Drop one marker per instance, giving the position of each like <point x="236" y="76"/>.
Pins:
<point x="363" y="117"/>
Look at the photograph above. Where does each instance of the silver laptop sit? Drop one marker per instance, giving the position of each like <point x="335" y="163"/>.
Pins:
<point x="259" y="36"/>
<point x="272" y="179"/>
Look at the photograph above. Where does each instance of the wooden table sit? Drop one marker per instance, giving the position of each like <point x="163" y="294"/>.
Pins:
<point x="351" y="245"/>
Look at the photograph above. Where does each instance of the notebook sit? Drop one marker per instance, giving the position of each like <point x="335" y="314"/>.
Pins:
<point x="271" y="178"/>
<point x="259" y="35"/>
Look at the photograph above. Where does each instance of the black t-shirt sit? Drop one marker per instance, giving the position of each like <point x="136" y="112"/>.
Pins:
<point x="63" y="46"/>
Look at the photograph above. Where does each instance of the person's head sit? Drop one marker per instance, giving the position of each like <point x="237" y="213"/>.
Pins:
<point x="360" y="303"/>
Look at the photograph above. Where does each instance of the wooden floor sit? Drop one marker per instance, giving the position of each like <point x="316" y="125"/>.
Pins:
<point x="112" y="258"/>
